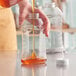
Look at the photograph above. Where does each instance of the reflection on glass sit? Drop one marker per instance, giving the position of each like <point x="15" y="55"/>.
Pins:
<point x="18" y="70"/>
<point x="73" y="38"/>
<point x="34" y="70"/>
<point x="63" y="72"/>
<point x="70" y="42"/>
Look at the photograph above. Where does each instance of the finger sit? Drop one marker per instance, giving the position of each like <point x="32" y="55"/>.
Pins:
<point x="45" y="20"/>
<point x="23" y="14"/>
<point x="45" y="32"/>
<point x="47" y="28"/>
<point x="23" y="11"/>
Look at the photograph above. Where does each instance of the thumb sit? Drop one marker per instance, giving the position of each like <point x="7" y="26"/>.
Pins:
<point x="22" y="15"/>
<point x="23" y="11"/>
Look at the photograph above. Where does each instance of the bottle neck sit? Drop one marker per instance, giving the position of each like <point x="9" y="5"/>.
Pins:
<point x="49" y="5"/>
<point x="53" y="4"/>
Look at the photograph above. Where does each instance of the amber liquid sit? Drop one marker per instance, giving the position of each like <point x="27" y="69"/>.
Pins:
<point x="33" y="60"/>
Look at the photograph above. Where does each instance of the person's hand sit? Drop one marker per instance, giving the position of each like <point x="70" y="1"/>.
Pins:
<point x="25" y="8"/>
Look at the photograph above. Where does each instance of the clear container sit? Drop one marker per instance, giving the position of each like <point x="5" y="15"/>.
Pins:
<point x="36" y="43"/>
<point x="55" y="15"/>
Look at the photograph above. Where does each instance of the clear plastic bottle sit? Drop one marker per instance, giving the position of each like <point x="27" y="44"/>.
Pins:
<point x="55" y="15"/>
<point x="39" y="45"/>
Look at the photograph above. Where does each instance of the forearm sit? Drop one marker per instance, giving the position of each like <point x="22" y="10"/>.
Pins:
<point x="9" y="3"/>
<point x="23" y="3"/>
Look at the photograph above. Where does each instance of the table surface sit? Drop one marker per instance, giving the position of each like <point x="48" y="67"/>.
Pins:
<point x="10" y="65"/>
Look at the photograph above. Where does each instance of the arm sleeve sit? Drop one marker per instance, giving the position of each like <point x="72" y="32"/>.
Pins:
<point x="8" y="3"/>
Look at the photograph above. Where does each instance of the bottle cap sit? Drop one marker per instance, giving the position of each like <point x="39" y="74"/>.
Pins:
<point x="62" y="63"/>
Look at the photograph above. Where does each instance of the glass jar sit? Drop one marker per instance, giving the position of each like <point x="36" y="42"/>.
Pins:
<point x="33" y="42"/>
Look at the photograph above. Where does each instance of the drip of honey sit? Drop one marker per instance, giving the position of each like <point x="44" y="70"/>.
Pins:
<point x="33" y="59"/>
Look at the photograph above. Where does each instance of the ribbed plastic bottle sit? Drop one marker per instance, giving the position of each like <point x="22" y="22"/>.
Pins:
<point x="55" y="16"/>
